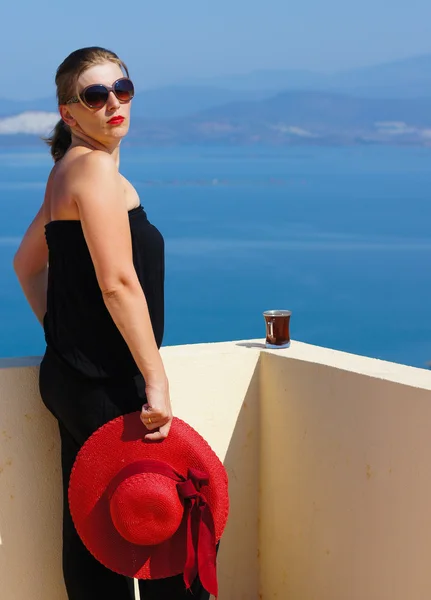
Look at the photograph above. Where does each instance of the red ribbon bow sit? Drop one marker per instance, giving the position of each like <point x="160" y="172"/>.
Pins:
<point x="201" y="538"/>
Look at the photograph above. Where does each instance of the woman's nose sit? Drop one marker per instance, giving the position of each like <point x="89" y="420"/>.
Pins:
<point x="113" y="102"/>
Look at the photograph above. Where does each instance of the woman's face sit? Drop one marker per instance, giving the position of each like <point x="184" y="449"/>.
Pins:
<point x="96" y="122"/>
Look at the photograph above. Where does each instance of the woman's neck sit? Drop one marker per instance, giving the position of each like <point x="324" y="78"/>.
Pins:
<point x="79" y="138"/>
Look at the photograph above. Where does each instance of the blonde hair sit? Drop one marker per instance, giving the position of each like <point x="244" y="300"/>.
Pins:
<point x="66" y="81"/>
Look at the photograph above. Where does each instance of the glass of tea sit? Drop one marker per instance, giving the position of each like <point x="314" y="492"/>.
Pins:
<point x="277" y="328"/>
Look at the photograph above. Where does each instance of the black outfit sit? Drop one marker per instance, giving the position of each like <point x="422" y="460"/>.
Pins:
<point x="88" y="377"/>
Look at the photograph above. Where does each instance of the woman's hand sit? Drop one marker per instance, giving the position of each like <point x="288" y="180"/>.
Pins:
<point x="156" y="414"/>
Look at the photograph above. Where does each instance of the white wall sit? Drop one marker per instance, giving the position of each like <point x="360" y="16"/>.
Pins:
<point x="346" y="484"/>
<point x="209" y="384"/>
<point x="328" y="456"/>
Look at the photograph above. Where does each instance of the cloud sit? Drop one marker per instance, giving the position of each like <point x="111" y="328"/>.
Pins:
<point x="293" y="130"/>
<point x="31" y="122"/>
<point x="394" y="127"/>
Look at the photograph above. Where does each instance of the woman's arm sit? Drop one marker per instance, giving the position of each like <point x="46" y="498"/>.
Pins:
<point x="98" y="192"/>
<point x="31" y="265"/>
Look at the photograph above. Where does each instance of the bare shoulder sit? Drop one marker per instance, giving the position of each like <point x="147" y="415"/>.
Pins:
<point x="95" y="158"/>
<point x="95" y="165"/>
<point x="92" y="173"/>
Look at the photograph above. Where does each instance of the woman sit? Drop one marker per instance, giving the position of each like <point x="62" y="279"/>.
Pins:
<point x="101" y="300"/>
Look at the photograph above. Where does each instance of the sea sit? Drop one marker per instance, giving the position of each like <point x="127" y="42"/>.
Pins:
<point x="339" y="236"/>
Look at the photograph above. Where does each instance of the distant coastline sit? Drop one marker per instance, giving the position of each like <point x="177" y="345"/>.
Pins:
<point x="293" y="118"/>
<point x="141" y="138"/>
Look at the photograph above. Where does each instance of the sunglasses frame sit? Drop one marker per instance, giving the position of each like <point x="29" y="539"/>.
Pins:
<point x="80" y="96"/>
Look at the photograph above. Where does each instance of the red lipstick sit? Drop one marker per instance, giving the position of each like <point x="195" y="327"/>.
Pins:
<point x="116" y="120"/>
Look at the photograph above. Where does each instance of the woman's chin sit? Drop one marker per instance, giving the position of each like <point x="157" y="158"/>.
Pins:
<point x="117" y="133"/>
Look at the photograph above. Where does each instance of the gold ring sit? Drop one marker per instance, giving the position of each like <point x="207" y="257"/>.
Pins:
<point x="149" y="420"/>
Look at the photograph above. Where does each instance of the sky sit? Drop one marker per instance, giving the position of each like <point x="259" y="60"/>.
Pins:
<point x="171" y="41"/>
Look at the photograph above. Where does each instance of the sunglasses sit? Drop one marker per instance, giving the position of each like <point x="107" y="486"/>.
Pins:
<point x="96" y="95"/>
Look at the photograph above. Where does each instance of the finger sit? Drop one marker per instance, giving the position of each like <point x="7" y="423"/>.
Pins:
<point x="162" y="432"/>
<point x="150" y="424"/>
<point x="155" y="436"/>
<point x="155" y="417"/>
<point x="164" y="429"/>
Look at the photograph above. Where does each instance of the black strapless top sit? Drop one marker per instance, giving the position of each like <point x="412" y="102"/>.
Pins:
<point x="78" y="326"/>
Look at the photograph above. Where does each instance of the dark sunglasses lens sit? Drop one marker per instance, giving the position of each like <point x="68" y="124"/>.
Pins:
<point x="124" y="90"/>
<point x="96" y="96"/>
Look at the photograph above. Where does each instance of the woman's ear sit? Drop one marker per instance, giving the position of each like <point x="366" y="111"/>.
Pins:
<point x="66" y="116"/>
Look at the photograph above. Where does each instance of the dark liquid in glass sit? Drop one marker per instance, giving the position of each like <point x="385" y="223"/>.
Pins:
<point x="277" y="328"/>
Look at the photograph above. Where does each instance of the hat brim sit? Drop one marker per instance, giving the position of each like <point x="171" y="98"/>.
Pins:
<point x="112" y="447"/>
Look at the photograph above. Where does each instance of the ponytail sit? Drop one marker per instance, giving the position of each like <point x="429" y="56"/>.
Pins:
<point x="59" y="140"/>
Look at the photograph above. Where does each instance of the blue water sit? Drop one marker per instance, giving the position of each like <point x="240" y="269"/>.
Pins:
<point x="339" y="236"/>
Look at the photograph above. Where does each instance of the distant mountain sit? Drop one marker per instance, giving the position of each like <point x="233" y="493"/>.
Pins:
<point x="323" y="110"/>
<point x="179" y="101"/>
<point x="407" y="78"/>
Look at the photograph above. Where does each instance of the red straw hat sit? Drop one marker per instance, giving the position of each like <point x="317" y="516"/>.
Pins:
<point x="149" y="509"/>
